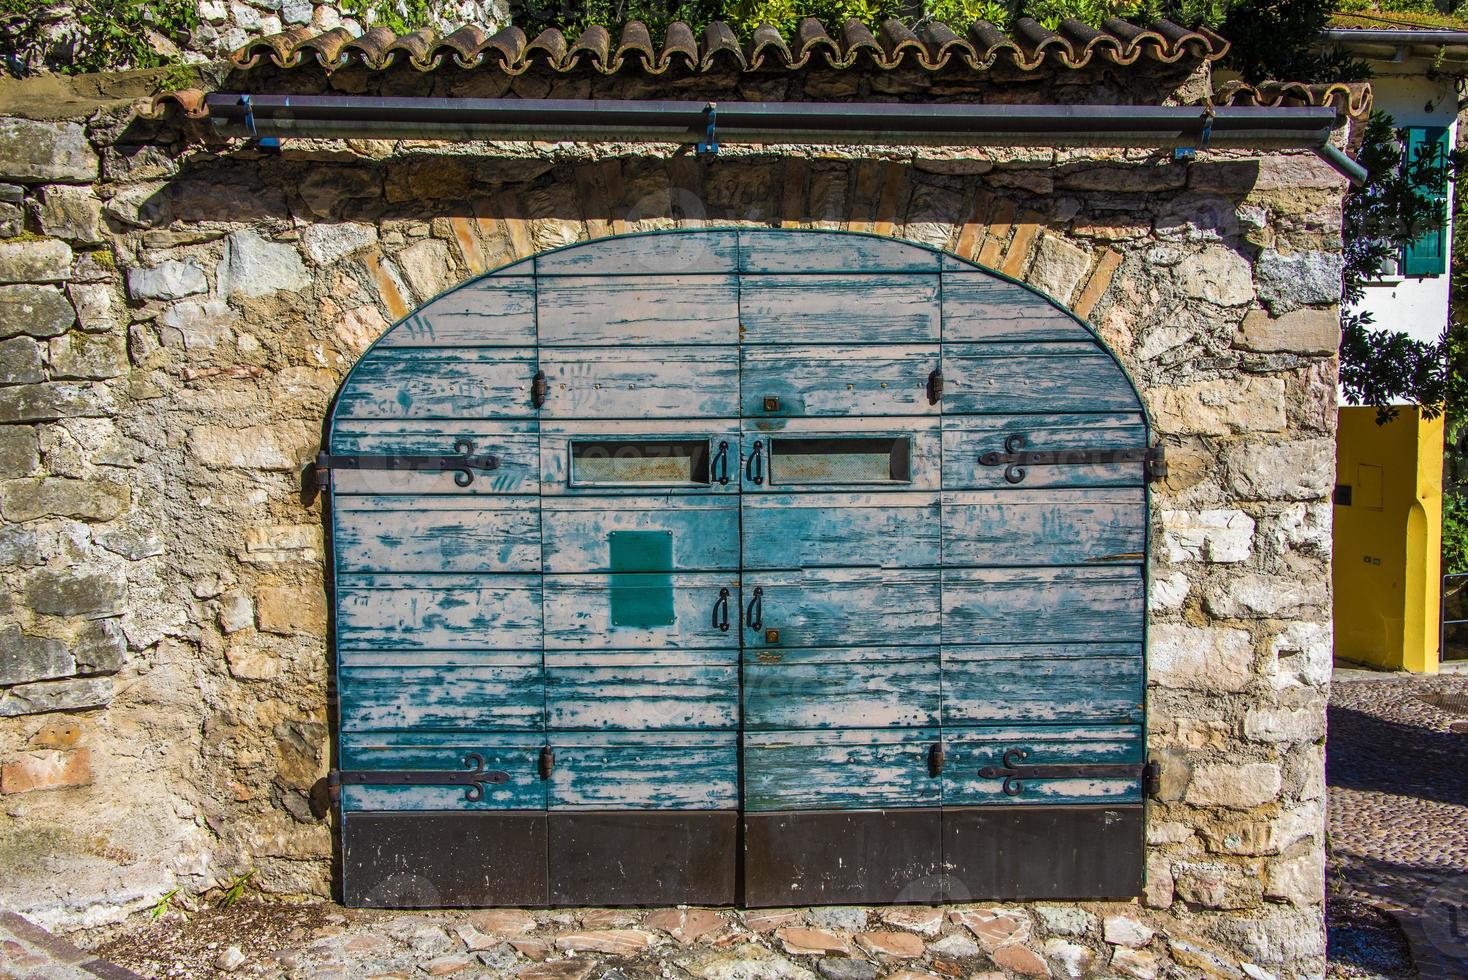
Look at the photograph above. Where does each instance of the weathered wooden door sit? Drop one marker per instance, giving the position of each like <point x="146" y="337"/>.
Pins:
<point x="817" y="556"/>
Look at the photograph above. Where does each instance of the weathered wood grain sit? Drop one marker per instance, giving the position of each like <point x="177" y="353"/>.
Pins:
<point x="495" y="311"/>
<point x="969" y="750"/>
<point x="848" y="769"/>
<point x="1031" y="683"/>
<point x="704" y="530"/>
<point x="980" y="306"/>
<point x="515" y="754"/>
<point x="640" y="383"/>
<point x="515" y="445"/>
<point x="459" y="698"/>
<point x="815" y="530"/>
<point x="965" y="439"/>
<point x="762" y="251"/>
<point x="1040" y="377"/>
<point x="1043" y="527"/>
<point x="858" y="687"/>
<point x="437" y="534"/>
<point x="630" y="697"/>
<point x="645" y="771"/>
<point x="653" y="309"/>
<point x="1050" y="605"/>
<point x="439" y="383"/>
<point x="438" y="612"/>
<point x="578" y="614"/>
<point x="839" y="309"/>
<point x="673" y="253"/>
<point x="844" y="381"/>
<point x="845" y="607"/>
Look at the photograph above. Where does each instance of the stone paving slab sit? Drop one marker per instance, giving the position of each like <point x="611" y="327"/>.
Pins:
<point x="30" y="952"/>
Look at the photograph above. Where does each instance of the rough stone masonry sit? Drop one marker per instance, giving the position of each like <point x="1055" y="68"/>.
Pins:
<point x="175" y="315"/>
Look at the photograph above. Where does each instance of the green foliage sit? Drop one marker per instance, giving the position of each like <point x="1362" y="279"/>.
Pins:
<point x="234" y="890"/>
<point x="398" y="16"/>
<point x="105" y="35"/>
<point x="1278" y="39"/>
<point x="1455" y="533"/>
<point x="164" y="904"/>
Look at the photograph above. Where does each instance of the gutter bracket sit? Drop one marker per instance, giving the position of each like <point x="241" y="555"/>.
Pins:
<point x="710" y="145"/>
<point x="1188" y="153"/>
<point x="264" y="142"/>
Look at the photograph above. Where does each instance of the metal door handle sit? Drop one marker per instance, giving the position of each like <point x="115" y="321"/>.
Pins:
<point x="721" y="611"/>
<point x="721" y="463"/>
<point x="756" y="614"/>
<point x="756" y="468"/>
<point x="936" y="757"/>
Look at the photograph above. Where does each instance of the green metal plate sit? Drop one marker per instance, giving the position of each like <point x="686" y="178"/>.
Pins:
<point x="642" y="581"/>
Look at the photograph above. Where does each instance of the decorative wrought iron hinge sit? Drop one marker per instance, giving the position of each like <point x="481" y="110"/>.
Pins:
<point x="461" y="465"/>
<point x="473" y="779"/>
<point x="547" y="762"/>
<point x="1015" y="458"/>
<point x="539" y="388"/>
<point x="935" y="387"/>
<point x="1014" y="772"/>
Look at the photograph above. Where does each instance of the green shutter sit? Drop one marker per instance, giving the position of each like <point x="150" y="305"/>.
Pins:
<point x="1427" y="255"/>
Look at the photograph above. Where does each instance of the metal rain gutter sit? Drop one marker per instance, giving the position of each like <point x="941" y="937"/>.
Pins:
<point x="1405" y="36"/>
<point x="709" y="124"/>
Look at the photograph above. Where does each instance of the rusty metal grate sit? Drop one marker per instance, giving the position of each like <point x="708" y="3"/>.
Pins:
<point x="1456" y="704"/>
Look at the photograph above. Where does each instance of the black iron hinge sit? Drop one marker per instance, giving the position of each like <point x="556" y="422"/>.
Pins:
<point x="935" y="387"/>
<point x="1014" y="772"/>
<point x="474" y="779"/>
<point x="1015" y="458"/>
<point x="936" y="757"/>
<point x="547" y="762"/>
<point x="539" y="389"/>
<point x="462" y="463"/>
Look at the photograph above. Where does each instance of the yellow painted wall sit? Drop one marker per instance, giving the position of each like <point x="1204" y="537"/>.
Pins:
<point x="1388" y="540"/>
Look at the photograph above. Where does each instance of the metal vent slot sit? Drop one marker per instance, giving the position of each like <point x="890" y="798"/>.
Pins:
<point x="639" y="462"/>
<point x="842" y="460"/>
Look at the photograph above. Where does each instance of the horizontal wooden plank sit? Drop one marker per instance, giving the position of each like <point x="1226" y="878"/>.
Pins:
<point x="1043" y="605"/>
<point x="704" y="530"/>
<point x="966" y="439"/>
<point x="510" y="753"/>
<point x="847" y="769"/>
<point x="969" y="750"/>
<point x="858" y="687"/>
<point x="495" y="311"/>
<point x="791" y="250"/>
<point x="642" y="698"/>
<point x="1043" y="682"/>
<point x="839" y="309"/>
<point x="515" y="446"/>
<point x="441" y="698"/>
<point x="578" y="614"/>
<point x="652" y="309"/>
<point x="1043" y="527"/>
<point x="348" y="657"/>
<point x="558" y="437"/>
<point x="1040" y="377"/>
<point x="663" y="252"/>
<point x="840" y="607"/>
<point x="438" y="612"/>
<point x="822" y="530"/>
<point x="876" y="379"/>
<point x="437" y="534"/>
<point x="439" y="383"/>
<point x="980" y="306"/>
<point x="923" y="443"/>
<point x="640" y="383"/>
<point x="645" y="771"/>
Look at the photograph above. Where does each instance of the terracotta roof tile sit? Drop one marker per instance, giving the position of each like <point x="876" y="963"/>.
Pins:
<point x="1346" y="98"/>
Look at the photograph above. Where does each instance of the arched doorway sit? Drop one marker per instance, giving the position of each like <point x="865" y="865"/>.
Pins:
<point x="777" y="567"/>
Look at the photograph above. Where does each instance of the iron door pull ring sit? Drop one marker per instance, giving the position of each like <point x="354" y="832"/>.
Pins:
<point x="756" y="617"/>
<point x="721" y="463"/>
<point x="756" y="468"/>
<point x="721" y="611"/>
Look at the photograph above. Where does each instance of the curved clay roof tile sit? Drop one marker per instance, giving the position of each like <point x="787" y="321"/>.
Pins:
<point x="679" y="45"/>
<point x="898" y="40"/>
<point x="636" y="45"/>
<point x="810" y="37"/>
<point x="768" y="42"/>
<point x="508" y="46"/>
<point x="719" y="42"/>
<point x="595" y="44"/>
<point x="1088" y="42"/>
<point x="282" y="48"/>
<point x="942" y="44"/>
<point x="189" y="100"/>
<point x="329" y="47"/>
<point x="1346" y="98"/>
<point x="1036" y="41"/>
<point x="549" y="43"/>
<point x="465" y="45"/>
<point x="374" y="47"/>
<point x="420" y="46"/>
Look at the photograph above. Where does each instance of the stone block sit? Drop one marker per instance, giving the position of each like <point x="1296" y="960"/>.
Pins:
<point x="53" y="400"/>
<point x="1070" y="959"/>
<point x="93" y="356"/>
<point x="96" y="308"/>
<point x="1281" y="724"/>
<point x="1119" y="930"/>
<point x="1158" y="884"/>
<point x="1125" y="178"/>
<point x="93" y="595"/>
<point x="91" y="500"/>
<point x="802" y="941"/>
<point x="44" y="769"/>
<point x="1065" y="920"/>
<point x="73" y="213"/>
<point x="253" y="266"/>
<point x="248" y="662"/>
<point x="73" y="694"/>
<point x="277" y="543"/>
<point x="1216" y="275"/>
<point x="99" y="647"/>
<point x="429" y="268"/>
<point x="46" y="260"/>
<point x="325" y="243"/>
<point x="1058" y="269"/>
<point x="1139" y="963"/>
<point x="1303" y="331"/>
<point x="197" y="324"/>
<point x="1022" y="960"/>
<point x="20" y="545"/>
<point x="20" y="361"/>
<point x="897" y="945"/>
<point x="1217" y="886"/>
<point x="1302" y="653"/>
<point x="25" y="658"/>
<point x="1200" y="658"/>
<point x="1220" y="406"/>
<point x="994" y="928"/>
<point x="1288" y="282"/>
<point x="132" y="543"/>
<point x="1251" y="595"/>
<point x="291" y="609"/>
<point x="37" y="311"/>
<point x="169" y="279"/>
<point x="1218" y="536"/>
<point x="33" y="152"/>
<point x="12" y="220"/>
<point x="284" y="446"/>
<point x="1236" y="787"/>
<point x="1294" y="469"/>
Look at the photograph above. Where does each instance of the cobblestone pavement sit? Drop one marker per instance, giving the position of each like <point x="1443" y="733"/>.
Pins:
<point x="1398" y="808"/>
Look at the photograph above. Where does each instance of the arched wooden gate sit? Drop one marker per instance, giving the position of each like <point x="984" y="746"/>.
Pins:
<point x="758" y="566"/>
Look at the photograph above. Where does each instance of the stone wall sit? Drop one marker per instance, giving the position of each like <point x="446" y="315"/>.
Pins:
<point x="174" y="321"/>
